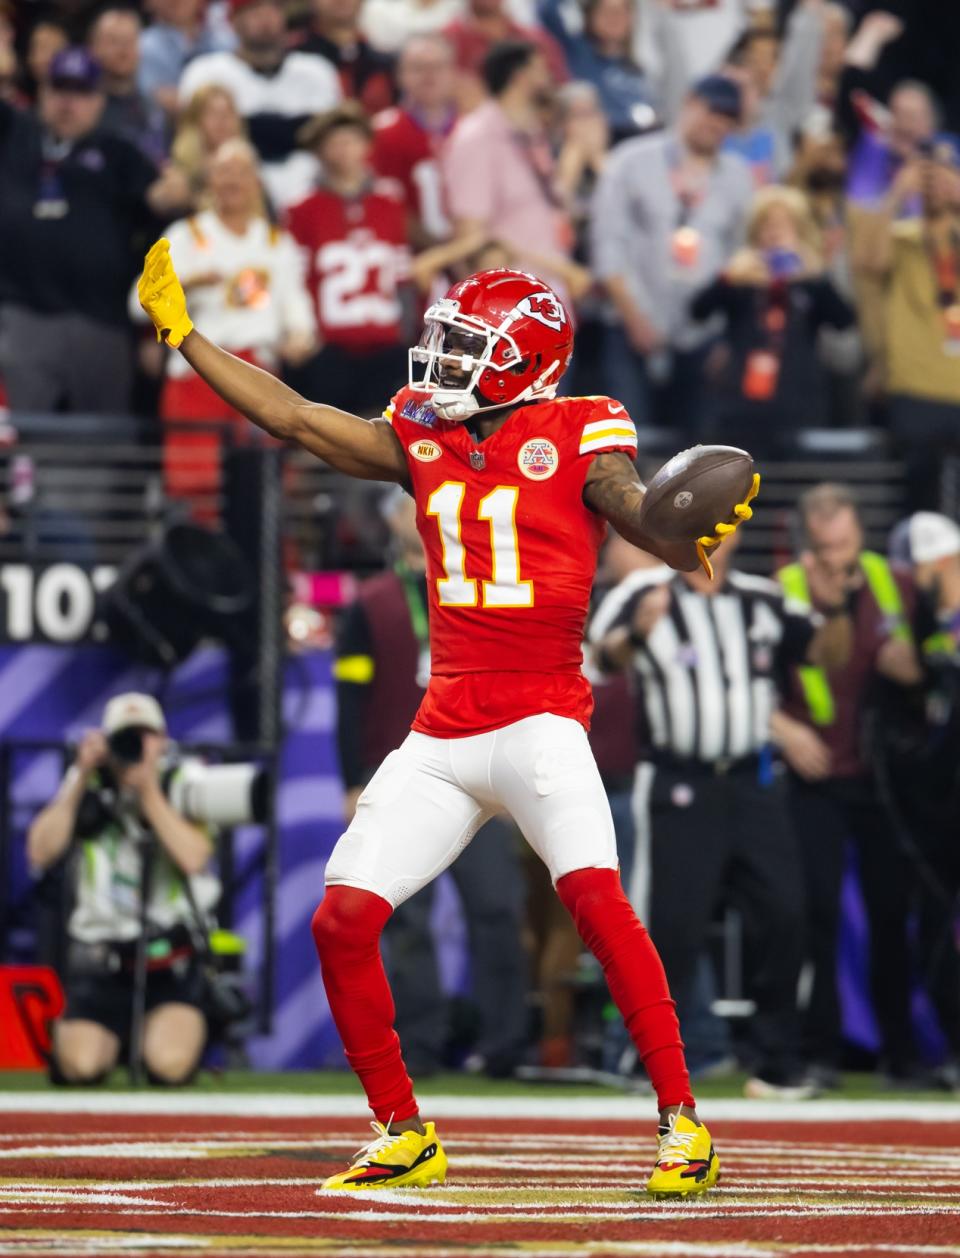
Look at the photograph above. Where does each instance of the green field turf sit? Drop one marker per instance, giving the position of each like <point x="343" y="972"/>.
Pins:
<point x="865" y="1087"/>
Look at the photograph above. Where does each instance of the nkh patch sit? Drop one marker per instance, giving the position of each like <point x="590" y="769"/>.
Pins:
<point x="538" y="459"/>
<point x="425" y="451"/>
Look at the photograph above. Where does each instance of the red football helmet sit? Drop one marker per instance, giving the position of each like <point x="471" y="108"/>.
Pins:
<point x="498" y="338"/>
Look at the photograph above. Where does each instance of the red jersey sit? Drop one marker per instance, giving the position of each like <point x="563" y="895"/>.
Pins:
<point x="358" y="256"/>
<point x="511" y="554"/>
<point x="471" y="45"/>
<point x="407" y="152"/>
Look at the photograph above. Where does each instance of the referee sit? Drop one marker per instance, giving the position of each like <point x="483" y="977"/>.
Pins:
<point x="708" y="661"/>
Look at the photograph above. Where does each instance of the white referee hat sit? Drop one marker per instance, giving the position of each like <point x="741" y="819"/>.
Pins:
<point x="924" y="537"/>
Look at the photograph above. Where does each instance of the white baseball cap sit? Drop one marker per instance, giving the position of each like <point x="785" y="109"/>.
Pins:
<point x="133" y="709"/>
<point x="924" y="537"/>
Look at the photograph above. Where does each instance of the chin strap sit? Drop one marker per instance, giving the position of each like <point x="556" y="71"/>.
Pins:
<point x="742" y="511"/>
<point x="454" y="404"/>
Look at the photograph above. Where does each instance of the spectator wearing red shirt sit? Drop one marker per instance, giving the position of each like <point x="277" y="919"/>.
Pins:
<point x="407" y="139"/>
<point x="365" y="74"/>
<point x="353" y="230"/>
<point x="485" y="24"/>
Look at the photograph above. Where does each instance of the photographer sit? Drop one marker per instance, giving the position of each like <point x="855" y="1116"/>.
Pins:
<point x="129" y="839"/>
<point x="833" y="794"/>
<point x="917" y="756"/>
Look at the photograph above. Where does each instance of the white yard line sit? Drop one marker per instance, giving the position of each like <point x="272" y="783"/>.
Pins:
<point x="56" y="1247"/>
<point x="574" y="1108"/>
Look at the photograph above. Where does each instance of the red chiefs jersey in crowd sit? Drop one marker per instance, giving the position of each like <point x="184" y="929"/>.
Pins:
<point x="406" y="151"/>
<point x="511" y="553"/>
<point x="358" y="257"/>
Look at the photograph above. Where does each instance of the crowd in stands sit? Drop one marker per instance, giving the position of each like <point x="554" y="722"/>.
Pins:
<point x="753" y="210"/>
<point x="751" y="207"/>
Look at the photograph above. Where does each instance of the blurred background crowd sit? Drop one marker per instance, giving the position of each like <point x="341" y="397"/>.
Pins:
<point x="752" y="207"/>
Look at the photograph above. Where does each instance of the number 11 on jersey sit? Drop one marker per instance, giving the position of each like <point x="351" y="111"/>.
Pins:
<point x="499" y="507"/>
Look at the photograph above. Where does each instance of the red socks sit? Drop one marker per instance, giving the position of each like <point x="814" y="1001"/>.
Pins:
<point x="608" y="926"/>
<point x="347" y="928"/>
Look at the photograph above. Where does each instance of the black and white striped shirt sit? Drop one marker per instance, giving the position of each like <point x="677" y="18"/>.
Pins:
<point x="710" y="672"/>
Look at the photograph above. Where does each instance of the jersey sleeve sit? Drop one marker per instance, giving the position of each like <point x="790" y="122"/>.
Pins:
<point x="607" y="427"/>
<point x="391" y="412"/>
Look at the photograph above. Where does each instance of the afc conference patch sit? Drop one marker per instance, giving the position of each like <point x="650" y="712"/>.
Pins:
<point x="538" y="459"/>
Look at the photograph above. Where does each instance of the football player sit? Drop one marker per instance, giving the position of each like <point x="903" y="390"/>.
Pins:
<point x="514" y="488"/>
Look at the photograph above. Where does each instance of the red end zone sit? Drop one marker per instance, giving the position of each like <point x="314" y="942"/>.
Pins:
<point x="145" y="1184"/>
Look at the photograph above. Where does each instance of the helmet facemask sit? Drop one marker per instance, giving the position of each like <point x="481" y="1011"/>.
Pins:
<point x="457" y="352"/>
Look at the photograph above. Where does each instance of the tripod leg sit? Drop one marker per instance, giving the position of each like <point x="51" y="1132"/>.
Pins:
<point x="138" y="1010"/>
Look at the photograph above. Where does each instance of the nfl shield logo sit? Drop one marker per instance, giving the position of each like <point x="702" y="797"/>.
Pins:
<point x="478" y="460"/>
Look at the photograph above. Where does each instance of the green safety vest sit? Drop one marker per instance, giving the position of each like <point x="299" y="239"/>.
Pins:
<point x="941" y="643"/>
<point x="886" y="594"/>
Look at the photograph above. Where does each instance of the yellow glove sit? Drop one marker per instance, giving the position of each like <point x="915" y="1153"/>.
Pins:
<point x="161" y="295"/>
<point x="742" y="511"/>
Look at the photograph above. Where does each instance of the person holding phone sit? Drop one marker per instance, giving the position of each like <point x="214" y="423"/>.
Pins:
<point x="774" y="297"/>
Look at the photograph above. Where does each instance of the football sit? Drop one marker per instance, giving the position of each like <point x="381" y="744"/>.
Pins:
<point x="694" y="491"/>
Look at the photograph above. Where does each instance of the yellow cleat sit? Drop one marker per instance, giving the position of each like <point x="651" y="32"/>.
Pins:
<point x="686" y="1163"/>
<point x="394" y="1160"/>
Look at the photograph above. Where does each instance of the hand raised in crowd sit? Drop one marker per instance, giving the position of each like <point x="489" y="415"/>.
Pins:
<point x="875" y="31"/>
<point x="803" y="749"/>
<point x="643" y="336"/>
<point x="170" y="192"/>
<point x="939" y="182"/>
<point x="882" y="26"/>
<point x="92" y="751"/>
<point x="830" y="584"/>
<point x="143" y="775"/>
<point x="746" y="267"/>
<point x="586" y="140"/>
<point x="297" y="347"/>
<point x="907" y="183"/>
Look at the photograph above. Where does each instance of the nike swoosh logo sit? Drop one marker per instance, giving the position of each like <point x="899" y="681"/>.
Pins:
<point x="616" y="407"/>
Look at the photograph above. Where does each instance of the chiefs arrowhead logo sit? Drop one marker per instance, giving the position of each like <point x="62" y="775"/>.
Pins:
<point x="545" y="308"/>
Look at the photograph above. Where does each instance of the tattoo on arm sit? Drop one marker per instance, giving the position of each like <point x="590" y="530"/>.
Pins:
<point x="614" y="490"/>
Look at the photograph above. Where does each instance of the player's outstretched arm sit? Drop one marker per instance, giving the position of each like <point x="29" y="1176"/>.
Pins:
<point x="614" y="490"/>
<point x="365" y="448"/>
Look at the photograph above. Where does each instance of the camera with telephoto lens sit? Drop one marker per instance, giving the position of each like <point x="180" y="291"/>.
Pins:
<point x="126" y="745"/>
<point x="210" y="794"/>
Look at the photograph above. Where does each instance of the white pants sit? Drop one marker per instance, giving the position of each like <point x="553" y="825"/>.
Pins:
<point x="430" y="796"/>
